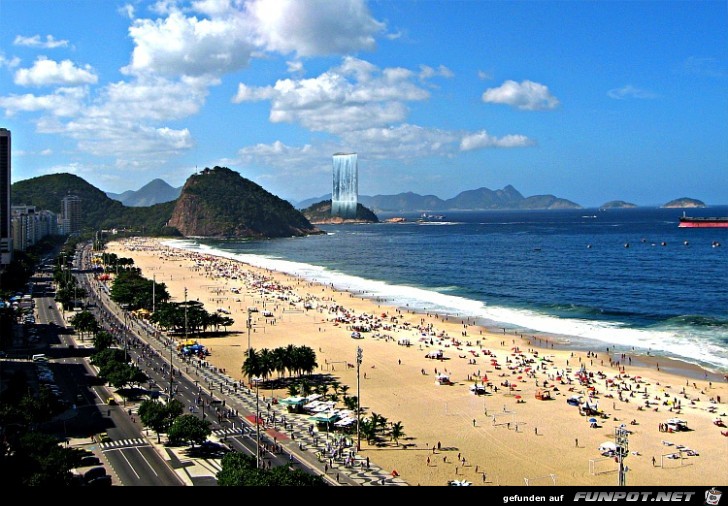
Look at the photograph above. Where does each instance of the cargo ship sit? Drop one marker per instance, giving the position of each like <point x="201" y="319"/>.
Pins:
<point x="700" y="222"/>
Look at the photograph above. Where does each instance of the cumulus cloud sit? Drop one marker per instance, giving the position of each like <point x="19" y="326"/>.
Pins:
<point x="353" y="96"/>
<point x="35" y="41"/>
<point x="629" y="91"/>
<point x="483" y="139"/>
<point x="151" y="98"/>
<point x="525" y="95"/>
<point x="178" y="45"/>
<point x="9" y="62"/>
<point x="314" y="27"/>
<point x="45" y="72"/>
<point x="427" y="72"/>
<point x="63" y="102"/>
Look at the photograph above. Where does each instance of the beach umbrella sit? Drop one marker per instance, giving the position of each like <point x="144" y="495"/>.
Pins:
<point x="592" y="420"/>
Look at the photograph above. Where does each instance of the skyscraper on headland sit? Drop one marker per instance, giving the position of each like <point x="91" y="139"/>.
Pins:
<point x="344" y="196"/>
<point x="6" y="239"/>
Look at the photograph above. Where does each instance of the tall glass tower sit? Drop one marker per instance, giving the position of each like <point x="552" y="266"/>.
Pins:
<point x="344" y="195"/>
<point x="6" y="238"/>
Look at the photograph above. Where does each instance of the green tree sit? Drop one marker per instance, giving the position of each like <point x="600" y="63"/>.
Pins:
<point x="189" y="428"/>
<point x="397" y="432"/>
<point x="158" y="416"/>
<point x="85" y="322"/>
<point x="103" y="340"/>
<point x="239" y="470"/>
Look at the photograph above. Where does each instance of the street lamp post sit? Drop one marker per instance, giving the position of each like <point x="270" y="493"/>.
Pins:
<point x="154" y="286"/>
<point x="359" y="354"/>
<point x="257" y="424"/>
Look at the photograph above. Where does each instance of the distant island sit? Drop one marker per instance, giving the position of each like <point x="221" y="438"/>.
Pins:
<point x="320" y="214"/>
<point x="617" y="204"/>
<point x="685" y="202"/>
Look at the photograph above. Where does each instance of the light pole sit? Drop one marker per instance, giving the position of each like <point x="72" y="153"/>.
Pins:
<point x="359" y="354"/>
<point x="154" y="298"/>
<point x="250" y="326"/>
<point x="257" y="424"/>
<point x="621" y="437"/>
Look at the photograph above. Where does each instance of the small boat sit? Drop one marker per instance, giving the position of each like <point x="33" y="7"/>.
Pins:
<point x="427" y="218"/>
<point x="701" y="222"/>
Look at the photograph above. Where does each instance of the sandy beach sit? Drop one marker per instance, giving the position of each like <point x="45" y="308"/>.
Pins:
<point x="506" y="437"/>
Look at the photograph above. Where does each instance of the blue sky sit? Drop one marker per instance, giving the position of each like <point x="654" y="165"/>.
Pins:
<point x="589" y="101"/>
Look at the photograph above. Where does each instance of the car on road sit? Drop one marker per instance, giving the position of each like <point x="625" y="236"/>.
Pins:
<point x="103" y="438"/>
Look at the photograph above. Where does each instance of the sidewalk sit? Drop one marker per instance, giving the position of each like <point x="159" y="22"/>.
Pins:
<point x="313" y="450"/>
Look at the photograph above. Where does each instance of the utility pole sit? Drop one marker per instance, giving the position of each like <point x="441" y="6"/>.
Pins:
<point x="359" y="355"/>
<point x="249" y="324"/>
<point x="257" y="424"/>
<point x="621" y="438"/>
<point x="154" y="298"/>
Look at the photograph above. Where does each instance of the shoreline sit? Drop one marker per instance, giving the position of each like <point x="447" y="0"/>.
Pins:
<point x="401" y="386"/>
<point x="425" y="301"/>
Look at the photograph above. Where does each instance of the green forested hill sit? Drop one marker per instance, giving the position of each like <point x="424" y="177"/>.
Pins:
<point x="219" y="202"/>
<point x="98" y="211"/>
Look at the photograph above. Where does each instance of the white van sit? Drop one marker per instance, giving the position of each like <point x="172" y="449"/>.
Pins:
<point x="40" y="357"/>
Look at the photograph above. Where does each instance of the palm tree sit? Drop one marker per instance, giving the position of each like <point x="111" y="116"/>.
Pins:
<point x="368" y="429"/>
<point x="293" y="390"/>
<point x="397" y="432"/>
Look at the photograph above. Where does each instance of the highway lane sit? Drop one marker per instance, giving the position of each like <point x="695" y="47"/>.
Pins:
<point x="199" y="388"/>
<point x="135" y="465"/>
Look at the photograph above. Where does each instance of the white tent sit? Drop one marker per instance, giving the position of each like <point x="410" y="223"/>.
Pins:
<point x="607" y="446"/>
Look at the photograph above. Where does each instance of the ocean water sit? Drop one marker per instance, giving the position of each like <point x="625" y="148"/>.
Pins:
<point x="624" y="278"/>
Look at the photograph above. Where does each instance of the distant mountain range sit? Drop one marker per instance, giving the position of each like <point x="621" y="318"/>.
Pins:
<point x="156" y="191"/>
<point x="470" y="200"/>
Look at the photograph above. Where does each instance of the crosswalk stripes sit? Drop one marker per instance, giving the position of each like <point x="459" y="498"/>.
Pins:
<point x="227" y="432"/>
<point x="123" y="443"/>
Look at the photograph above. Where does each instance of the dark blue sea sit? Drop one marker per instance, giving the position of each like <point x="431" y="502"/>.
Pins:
<point x="592" y="278"/>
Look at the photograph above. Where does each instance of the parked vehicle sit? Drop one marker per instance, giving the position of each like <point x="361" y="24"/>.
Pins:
<point x="94" y="472"/>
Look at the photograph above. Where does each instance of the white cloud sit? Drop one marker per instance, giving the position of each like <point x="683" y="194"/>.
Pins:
<point x="525" y="95"/>
<point x="427" y="72"/>
<point x="63" y="102"/>
<point x="629" y="91"/>
<point x="45" y="72"/>
<point x="353" y="96"/>
<point x="179" y="45"/>
<point x="151" y="98"/>
<point x="9" y="62"/>
<point x="483" y="139"/>
<point x="314" y="27"/>
<point x="294" y="67"/>
<point x="35" y="41"/>
<point x="126" y="10"/>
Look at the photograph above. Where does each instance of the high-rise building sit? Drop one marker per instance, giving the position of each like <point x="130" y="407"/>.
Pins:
<point x="345" y="193"/>
<point x="71" y="214"/>
<point x="6" y="239"/>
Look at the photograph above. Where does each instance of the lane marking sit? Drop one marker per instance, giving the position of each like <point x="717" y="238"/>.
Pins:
<point x="145" y="459"/>
<point x="130" y="466"/>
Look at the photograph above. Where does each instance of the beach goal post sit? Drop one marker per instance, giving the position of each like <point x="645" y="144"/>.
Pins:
<point x="540" y="481"/>
<point x="673" y="460"/>
<point x="602" y="465"/>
